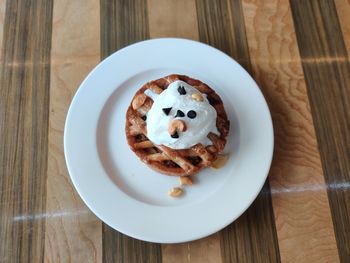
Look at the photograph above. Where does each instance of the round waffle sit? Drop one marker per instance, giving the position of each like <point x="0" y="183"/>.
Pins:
<point x="163" y="159"/>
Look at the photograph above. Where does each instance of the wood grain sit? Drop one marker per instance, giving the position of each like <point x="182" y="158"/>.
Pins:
<point x="203" y="250"/>
<point x="298" y="51"/>
<point x="24" y="101"/>
<point x="70" y="226"/>
<point x="343" y="10"/>
<point x="327" y="75"/>
<point x="221" y="25"/>
<point x="168" y="19"/>
<point x="300" y="203"/>
<point x="2" y="19"/>
<point x="119" y="248"/>
<point x="122" y="23"/>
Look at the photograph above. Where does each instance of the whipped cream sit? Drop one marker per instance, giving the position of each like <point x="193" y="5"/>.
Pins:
<point x="199" y="124"/>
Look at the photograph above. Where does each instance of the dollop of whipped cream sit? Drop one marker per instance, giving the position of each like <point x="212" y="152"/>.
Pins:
<point x="198" y="116"/>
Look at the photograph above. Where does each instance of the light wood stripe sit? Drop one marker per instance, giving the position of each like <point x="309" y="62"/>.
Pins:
<point x="302" y="215"/>
<point x="24" y="101"/>
<point x="204" y="250"/>
<point x="73" y="233"/>
<point x="221" y="25"/>
<point x="167" y="19"/>
<point x="327" y="75"/>
<point x="124" y="23"/>
<point x="343" y="10"/>
<point x="2" y="19"/>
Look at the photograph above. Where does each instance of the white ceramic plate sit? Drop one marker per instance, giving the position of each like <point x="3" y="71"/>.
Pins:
<point x="126" y="194"/>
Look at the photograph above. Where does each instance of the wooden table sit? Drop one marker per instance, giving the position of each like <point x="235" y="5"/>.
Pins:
<point x="298" y="52"/>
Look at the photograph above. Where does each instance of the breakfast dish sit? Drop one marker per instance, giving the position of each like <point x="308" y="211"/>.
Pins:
<point x="177" y="125"/>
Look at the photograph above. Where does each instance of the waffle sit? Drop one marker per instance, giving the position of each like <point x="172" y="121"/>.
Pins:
<point x="164" y="159"/>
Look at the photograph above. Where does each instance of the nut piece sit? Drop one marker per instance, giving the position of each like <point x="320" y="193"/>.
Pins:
<point x="197" y="97"/>
<point x="220" y="161"/>
<point x="185" y="180"/>
<point x="176" y="126"/>
<point x="138" y="101"/>
<point x="175" y="192"/>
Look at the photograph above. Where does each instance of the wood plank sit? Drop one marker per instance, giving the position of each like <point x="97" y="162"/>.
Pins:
<point x="24" y="115"/>
<point x="300" y="203"/>
<point x="168" y="19"/>
<point x="119" y="248"/>
<point x="202" y="250"/>
<point x="73" y="233"/>
<point x="164" y="22"/>
<point x="327" y="74"/>
<point x="2" y="20"/>
<point x="122" y="23"/>
<point x="221" y="25"/>
<point x="343" y="10"/>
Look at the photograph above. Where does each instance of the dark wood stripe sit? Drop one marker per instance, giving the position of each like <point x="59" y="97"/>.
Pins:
<point x="221" y="24"/>
<point x="119" y="248"/>
<point x="24" y="115"/>
<point x="252" y="237"/>
<point x="124" y="22"/>
<point x="327" y="75"/>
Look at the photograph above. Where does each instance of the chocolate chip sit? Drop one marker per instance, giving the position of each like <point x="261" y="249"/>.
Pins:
<point x="181" y="90"/>
<point x="144" y="117"/>
<point x="175" y="135"/>
<point x="179" y="114"/>
<point x="191" y="114"/>
<point x="166" y="110"/>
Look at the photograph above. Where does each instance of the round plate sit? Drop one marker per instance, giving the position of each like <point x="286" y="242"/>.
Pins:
<point x="126" y="194"/>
